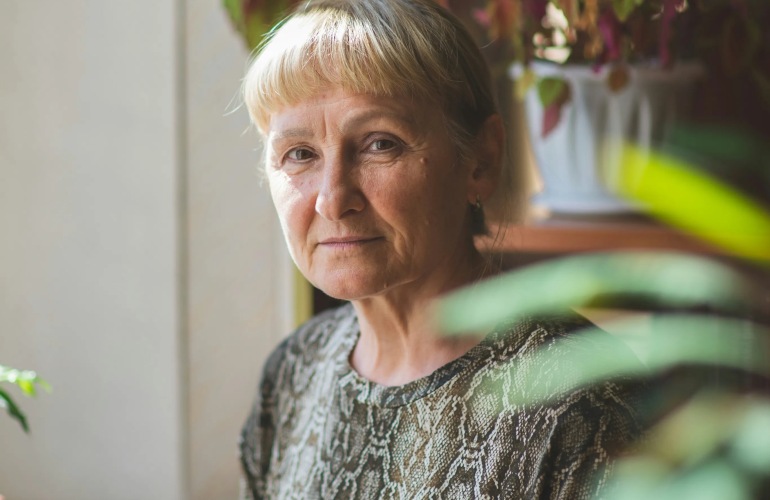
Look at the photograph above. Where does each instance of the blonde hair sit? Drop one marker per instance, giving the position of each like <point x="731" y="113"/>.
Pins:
<point x="404" y="48"/>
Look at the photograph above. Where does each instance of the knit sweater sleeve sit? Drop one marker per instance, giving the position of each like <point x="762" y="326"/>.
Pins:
<point x="258" y="433"/>
<point x="577" y="437"/>
<point x="587" y="439"/>
<point x="585" y="434"/>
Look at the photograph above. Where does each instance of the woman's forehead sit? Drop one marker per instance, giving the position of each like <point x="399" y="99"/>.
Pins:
<point x="348" y="110"/>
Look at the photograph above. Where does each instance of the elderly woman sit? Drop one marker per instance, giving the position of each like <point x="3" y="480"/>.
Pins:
<point x="382" y="145"/>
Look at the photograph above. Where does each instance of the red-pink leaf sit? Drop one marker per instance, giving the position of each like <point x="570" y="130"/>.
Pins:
<point x="534" y="9"/>
<point x="503" y="17"/>
<point x="481" y="16"/>
<point x="551" y="118"/>
<point x="611" y="31"/>
<point x="667" y="19"/>
<point x="554" y="93"/>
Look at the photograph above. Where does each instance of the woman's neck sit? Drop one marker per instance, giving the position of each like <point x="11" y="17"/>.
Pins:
<point x="400" y="341"/>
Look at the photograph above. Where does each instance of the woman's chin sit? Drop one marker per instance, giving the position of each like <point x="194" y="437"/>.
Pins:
<point x="347" y="292"/>
<point x="351" y="288"/>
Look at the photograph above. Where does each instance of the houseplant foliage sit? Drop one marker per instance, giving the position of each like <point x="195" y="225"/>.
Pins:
<point x="704" y="339"/>
<point x="27" y="381"/>
<point x="596" y="73"/>
<point x="621" y="43"/>
<point x="726" y="35"/>
<point x="254" y="18"/>
<point x="709" y="441"/>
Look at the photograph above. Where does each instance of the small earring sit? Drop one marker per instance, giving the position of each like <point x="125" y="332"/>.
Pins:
<point x="478" y="224"/>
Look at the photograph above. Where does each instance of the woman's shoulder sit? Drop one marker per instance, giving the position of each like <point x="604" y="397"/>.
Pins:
<point x="322" y="337"/>
<point x="569" y="334"/>
<point x="324" y="331"/>
<point x="559" y="360"/>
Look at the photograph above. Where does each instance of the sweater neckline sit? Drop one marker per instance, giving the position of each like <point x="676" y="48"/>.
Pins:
<point x="365" y="391"/>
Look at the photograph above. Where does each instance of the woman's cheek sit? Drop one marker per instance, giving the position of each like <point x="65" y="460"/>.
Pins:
<point x="287" y="201"/>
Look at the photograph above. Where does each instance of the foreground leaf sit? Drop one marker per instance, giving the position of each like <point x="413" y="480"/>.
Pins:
<point x="591" y="355"/>
<point x="679" y="193"/>
<point x="13" y="410"/>
<point x="672" y="279"/>
<point x="624" y="8"/>
<point x="24" y="379"/>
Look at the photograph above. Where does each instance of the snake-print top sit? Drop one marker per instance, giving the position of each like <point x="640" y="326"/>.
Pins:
<point x="320" y="430"/>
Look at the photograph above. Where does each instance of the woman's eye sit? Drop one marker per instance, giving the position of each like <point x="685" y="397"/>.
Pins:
<point x="382" y="145"/>
<point x="299" y="154"/>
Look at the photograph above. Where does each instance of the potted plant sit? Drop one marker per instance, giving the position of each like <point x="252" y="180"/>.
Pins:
<point x="596" y="73"/>
<point x="706" y="404"/>
<point x="26" y="380"/>
<point x="254" y="18"/>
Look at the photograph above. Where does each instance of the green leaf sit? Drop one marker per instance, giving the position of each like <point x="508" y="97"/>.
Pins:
<point x="235" y="10"/>
<point x="24" y="379"/>
<point x="26" y="386"/>
<point x="624" y="8"/>
<point x="715" y="480"/>
<point x="721" y="143"/>
<point x="751" y="443"/>
<point x="13" y="410"/>
<point x="254" y="20"/>
<point x="561" y="284"/>
<point x="524" y="82"/>
<point x="550" y="90"/>
<point x="679" y="193"/>
<point x="591" y="355"/>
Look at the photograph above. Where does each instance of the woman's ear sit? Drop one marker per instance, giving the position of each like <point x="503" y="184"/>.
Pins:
<point x="489" y="148"/>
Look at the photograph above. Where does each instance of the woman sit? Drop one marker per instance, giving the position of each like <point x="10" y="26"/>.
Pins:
<point x="382" y="146"/>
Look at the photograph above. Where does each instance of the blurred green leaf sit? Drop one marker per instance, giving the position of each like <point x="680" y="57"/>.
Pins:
<point x="235" y="10"/>
<point x="751" y="443"/>
<point x="562" y="284"/>
<point x="635" y="478"/>
<point x="589" y="356"/>
<point x="683" y="457"/>
<point x="713" y="481"/>
<point x="550" y="90"/>
<point x="27" y="387"/>
<point x="676" y="192"/>
<point x="624" y="8"/>
<point x="695" y="431"/>
<point x="524" y="83"/>
<point x="719" y="143"/>
<point x="24" y="379"/>
<point x="13" y="410"/>
<point x="254" y="19"/>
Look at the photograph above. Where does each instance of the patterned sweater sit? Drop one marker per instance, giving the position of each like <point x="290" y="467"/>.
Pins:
<point x="319" y="430"/>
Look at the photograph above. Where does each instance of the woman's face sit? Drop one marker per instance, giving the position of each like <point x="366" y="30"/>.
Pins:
<point x="370" y="194"/>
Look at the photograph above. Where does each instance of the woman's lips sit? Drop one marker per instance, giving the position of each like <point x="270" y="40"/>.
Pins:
<point x="348" y="241"/>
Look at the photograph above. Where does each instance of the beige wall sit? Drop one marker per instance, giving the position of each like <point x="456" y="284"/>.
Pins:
<point x="140" y="267"/>
<point x="238" y="263"/>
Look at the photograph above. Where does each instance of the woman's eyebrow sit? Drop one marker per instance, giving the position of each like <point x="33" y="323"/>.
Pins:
<point x="357" y="120"/>
<point x="291" y="133"/>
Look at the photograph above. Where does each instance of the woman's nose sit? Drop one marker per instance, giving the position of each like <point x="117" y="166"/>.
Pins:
<point x="339" y="194"/>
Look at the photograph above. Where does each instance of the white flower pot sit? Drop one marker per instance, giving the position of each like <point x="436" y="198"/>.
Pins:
<point x="579" y="159"/>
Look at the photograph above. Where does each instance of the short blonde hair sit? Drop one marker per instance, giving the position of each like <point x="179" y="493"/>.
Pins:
<point x="405" y="48"/>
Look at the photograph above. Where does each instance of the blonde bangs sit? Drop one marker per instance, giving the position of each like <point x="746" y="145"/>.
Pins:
<point x="330" y="47"/>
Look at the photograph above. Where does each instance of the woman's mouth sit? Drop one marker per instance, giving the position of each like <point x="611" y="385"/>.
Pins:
<point x="348" y="241"/>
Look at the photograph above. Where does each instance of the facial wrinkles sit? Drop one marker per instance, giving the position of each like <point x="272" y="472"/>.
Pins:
<point x="328" y="133"/>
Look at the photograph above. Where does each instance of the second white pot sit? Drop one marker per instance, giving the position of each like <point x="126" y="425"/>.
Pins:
<point x="579" y="159"/>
